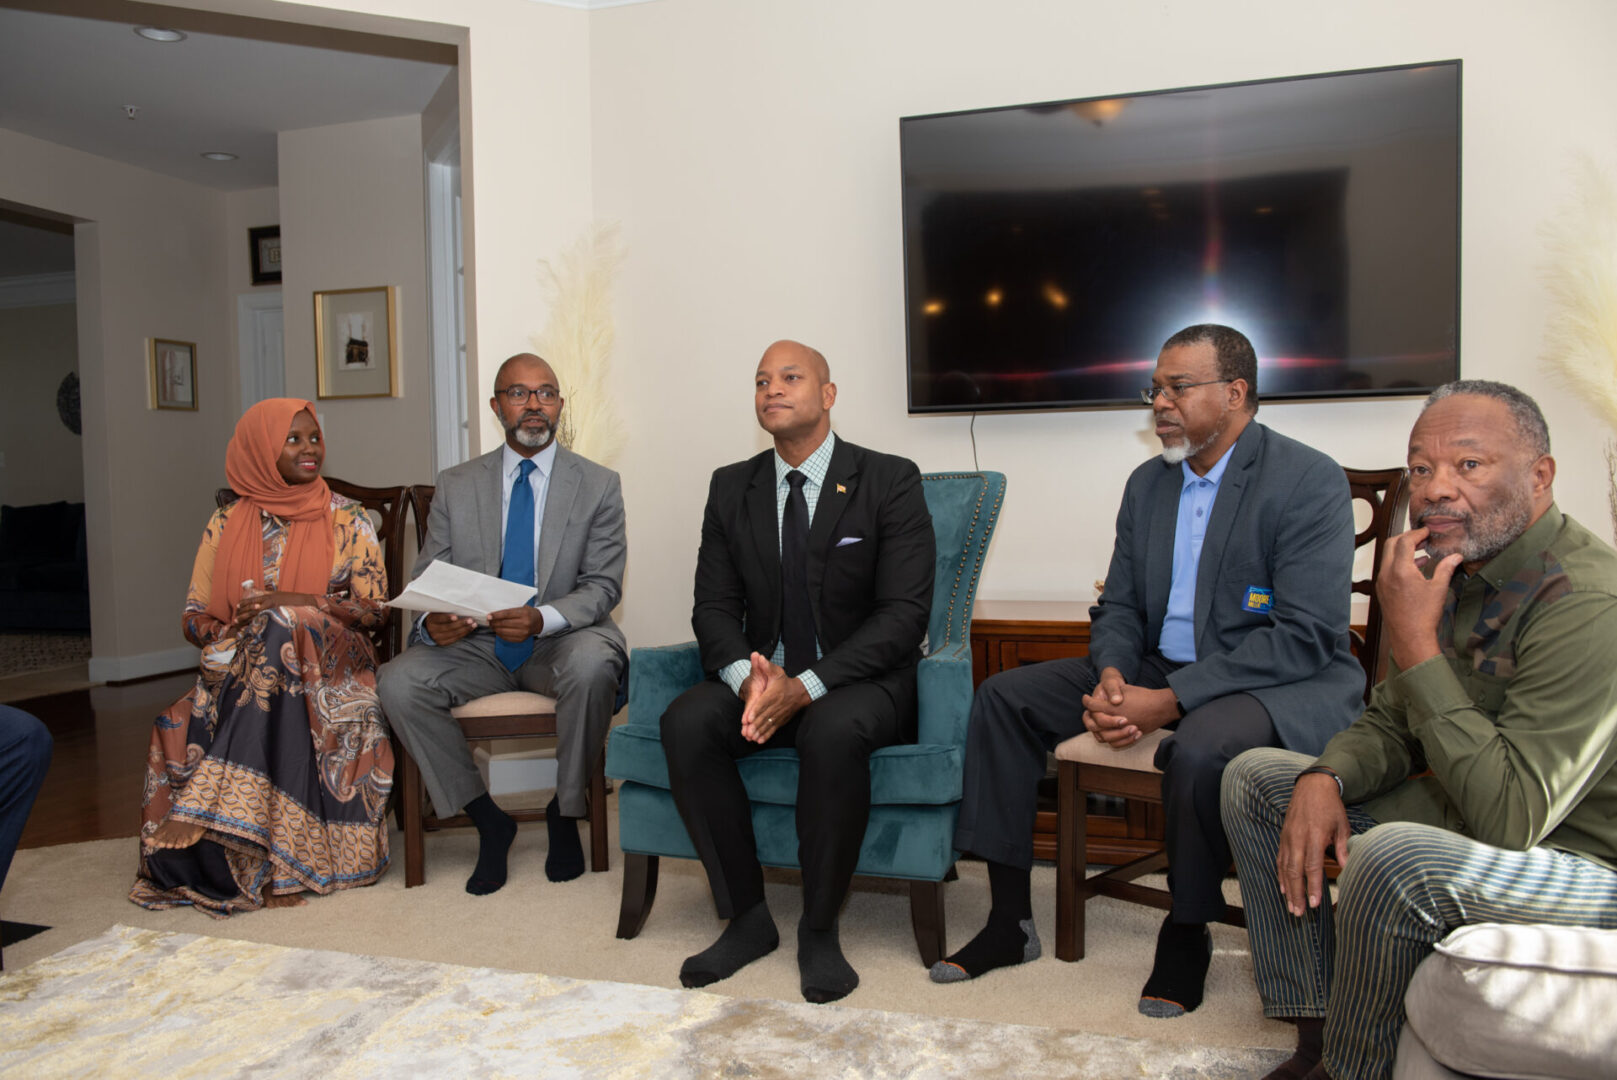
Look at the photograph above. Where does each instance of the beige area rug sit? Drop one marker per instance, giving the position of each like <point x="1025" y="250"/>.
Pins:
<point x="145" y="1003"/>
<point x="30" y="653"/>
<point x="567" y="930"/>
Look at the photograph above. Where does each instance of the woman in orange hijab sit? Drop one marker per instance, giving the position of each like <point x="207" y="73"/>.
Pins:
<point x="271" y="777"/>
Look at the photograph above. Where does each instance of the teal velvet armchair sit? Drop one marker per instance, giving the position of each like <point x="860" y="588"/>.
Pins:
<point x="915" y="789"/>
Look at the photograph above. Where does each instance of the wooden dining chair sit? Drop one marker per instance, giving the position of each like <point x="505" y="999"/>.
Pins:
<point x="1085" y="766"/>
<point x="515" y="714"/>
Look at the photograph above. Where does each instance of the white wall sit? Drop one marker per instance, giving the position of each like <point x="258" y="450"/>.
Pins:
<point x="149" y="254"/>
<point x="751" y="152"/>
<point x="353" y="215"/>
<point x="246" y="210"/>
<point x="40" y="458"/>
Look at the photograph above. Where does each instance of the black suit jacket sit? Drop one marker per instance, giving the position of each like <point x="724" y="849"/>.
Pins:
<point x="871" y="556"/>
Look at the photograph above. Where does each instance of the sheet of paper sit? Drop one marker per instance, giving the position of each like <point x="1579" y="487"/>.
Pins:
<point x="455" y="590"/>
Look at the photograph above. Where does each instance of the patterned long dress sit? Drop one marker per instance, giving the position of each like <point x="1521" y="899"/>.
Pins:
<point x="280" y="750"/>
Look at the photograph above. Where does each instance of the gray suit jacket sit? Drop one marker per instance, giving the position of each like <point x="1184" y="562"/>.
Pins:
<point x="579" y="570"/>
<point x="1282" y="521"/>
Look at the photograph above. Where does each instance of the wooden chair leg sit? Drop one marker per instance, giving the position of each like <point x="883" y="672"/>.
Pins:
<point x="410" y="806"/>
<point x="639" y="890"/>
<point x="598" y="848"/>
<point x="396" y="797"/>
<point x="926" y="914"/>
<point x="1072" y="841"/>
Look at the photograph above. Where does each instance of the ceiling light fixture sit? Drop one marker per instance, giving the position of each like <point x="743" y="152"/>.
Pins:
<point x="218" y="155"/>
<point x="157" y="33"/>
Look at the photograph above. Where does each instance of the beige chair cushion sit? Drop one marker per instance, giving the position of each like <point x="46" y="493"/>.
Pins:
<point x="1089" y="750"/>
<point x="1519" y="1001"/>
<point x="1414" y="1062"/>
<point x="513" y="703"/>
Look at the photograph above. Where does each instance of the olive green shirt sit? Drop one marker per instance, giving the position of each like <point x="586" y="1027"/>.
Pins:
<point x="1517" y="720"/>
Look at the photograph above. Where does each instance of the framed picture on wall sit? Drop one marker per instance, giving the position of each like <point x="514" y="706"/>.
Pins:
<point x="264" y="243"/>
<point x="356" y="343"/>
<point x="173" y="374"/>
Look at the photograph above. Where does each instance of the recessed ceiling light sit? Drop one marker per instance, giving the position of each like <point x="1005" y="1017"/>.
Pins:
<point x="219" y="155"/>
<point x="157" y="33"/>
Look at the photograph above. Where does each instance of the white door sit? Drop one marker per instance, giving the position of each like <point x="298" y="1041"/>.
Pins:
<point x="446" y="281"/>
<point x="261" y="342"/>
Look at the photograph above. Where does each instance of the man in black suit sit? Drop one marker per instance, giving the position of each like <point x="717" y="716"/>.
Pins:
<point x="813" y="590"/>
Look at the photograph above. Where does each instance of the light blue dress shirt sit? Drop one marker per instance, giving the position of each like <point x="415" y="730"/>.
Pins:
<point x="511" y="467"/>
<point x="1196" y="497"/>
<point x="813" y="470"/>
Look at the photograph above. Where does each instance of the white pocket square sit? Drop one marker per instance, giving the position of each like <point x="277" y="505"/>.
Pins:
<point x="846" y="540"/>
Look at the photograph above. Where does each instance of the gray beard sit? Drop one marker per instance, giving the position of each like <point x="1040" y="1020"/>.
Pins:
<point x="1173" y="455"/>
<point x="533" y="440"/>
<point x="1486" y="533"/>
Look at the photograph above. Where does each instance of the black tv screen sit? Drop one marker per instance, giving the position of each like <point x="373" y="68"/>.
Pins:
<point x="1050" y="249"/>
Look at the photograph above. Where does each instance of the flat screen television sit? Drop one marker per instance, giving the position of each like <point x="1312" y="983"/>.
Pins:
<point x="1050" y="249"/>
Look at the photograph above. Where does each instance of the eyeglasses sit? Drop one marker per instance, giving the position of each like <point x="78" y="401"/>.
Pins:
<point x="1174" y="391"/>
<point x="519" y="395"/>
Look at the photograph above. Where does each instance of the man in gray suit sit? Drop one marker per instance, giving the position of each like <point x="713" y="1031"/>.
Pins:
<point x="1224" y="617"/>
<point x="533" y="512"/>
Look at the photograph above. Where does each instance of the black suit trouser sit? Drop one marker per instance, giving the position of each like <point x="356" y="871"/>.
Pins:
<point x="834" y="738"/>
<point x="1020" y="715"/>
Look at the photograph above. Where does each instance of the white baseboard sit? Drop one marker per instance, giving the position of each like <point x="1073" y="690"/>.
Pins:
<point x="121" y="668"/>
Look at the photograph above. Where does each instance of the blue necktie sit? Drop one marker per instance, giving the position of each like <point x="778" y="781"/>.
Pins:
<point x="516" y="562"/>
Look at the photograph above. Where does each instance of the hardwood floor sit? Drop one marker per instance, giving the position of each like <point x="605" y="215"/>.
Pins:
<point x="93" y="788"/>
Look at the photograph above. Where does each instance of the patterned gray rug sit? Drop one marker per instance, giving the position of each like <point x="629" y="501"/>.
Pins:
<point x="27" y="653"/>
<point x="144" y="1003"/>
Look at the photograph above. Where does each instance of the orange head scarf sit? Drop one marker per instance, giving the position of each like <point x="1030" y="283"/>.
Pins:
<point x="250" y="468"/>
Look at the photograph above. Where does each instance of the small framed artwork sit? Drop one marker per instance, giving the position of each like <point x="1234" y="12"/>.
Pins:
<point x="264" y="243"/>
<point x="173" y="374"/>
<point x="356" y="351"/>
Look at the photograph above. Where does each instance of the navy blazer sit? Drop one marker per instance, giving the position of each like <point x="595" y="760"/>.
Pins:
<point x="1282" y="522"/>
<point x="871" y="557"/>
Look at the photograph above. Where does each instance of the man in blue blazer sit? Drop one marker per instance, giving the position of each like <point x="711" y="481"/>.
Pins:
<point x="531" y="511"/>
<point x="1224" y="617"/>
<point x="813" y="590"/>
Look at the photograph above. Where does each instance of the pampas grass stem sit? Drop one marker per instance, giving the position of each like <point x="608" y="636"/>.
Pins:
<point x="578" y="338"/>
<point x="1581" y="338"/>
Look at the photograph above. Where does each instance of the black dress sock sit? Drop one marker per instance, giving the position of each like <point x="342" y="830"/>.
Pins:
<point x="1009" y="937"/>
<point x="1310" y="1048"/>
<point x="824" y="973"/>
<point x="750" y="935"/>
<point x="1010" y="892"/>
<point x="1180" y="971"/>
<point x="495" y="832"/>
<point x="565" y="860"/>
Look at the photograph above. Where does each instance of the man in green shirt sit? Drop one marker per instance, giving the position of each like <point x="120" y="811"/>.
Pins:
<point x="1480" y="785"/>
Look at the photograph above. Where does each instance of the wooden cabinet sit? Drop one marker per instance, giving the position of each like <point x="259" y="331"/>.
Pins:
<point x="1009" y="633"/>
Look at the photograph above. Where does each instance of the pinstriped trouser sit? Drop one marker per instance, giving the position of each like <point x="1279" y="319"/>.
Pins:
<point x="1405" y="887"/>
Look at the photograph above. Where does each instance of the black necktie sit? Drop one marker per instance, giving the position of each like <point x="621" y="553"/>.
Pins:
<point x="796" y="614"/>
